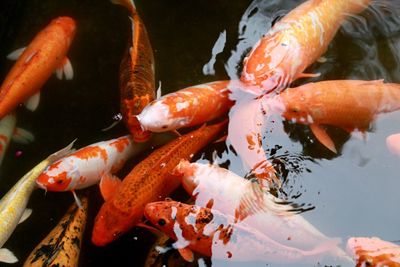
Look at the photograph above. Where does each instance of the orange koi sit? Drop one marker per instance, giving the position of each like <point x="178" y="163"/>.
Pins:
<point x="136" y="79"/>
<point x="374" y="252"/>
<point x="216" y="235"/>
<point x="191" y="106"/>
<point x="150" y="180"/>
<point x="295" y="42"/>
<point x="36" y="63"/>
<point x="348" y="104"/>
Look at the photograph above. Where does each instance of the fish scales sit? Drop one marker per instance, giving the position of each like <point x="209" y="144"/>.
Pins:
<point x="150" y="180"/>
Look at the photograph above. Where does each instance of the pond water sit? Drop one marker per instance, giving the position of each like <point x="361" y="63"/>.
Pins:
<point x="351" y="193"/>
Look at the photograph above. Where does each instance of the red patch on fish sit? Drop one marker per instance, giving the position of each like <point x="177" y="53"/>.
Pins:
<point x="91" y="152"/>
<point x="120" y="144"/>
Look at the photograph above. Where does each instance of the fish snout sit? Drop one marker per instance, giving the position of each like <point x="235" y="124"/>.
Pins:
<point x="52" y="183"/>
<point x="68" y="24"/>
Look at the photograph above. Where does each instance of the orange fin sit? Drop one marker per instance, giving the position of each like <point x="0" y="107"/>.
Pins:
<point x="65" y="70"/>
<point x="186" y="254"/>
<point x="323" y="137"/>
<point x="108" y="185"/>
<point x="309" y="75"/>
<point x="148" y="227"/>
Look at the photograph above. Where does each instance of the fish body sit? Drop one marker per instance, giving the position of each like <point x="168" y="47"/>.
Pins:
<point x="86" y="166"/>
<point x="190" y="106"/>
<point x="61" y="247"/>
<point x="152" y="179"/>
<point x="13" y="203"/>
<point x="295" y="42"/>
<point x="215" y="234"/>
<point x="374" y="252"/>
<point x="241" y="198"/>
<point x="46" y="53"/>
<point x="136" y="79"/>
<point x="348" y="104"/>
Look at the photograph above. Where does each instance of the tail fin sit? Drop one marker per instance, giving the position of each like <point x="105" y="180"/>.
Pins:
<point x="129" y="4"/>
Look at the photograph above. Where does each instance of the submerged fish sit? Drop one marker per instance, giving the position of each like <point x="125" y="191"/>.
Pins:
<point x="246" y="201"/>
<point x="348" y="104"/>
<point x="215" y="234"/>
<point x="136" y="80"/>
<point x="191" y="106"/>
<point x="8" y="131"/>
<point x="61" y="247"/>
<point x="13" y="204"/>
<point x="295" y="42"/>
<point x="148" y="181"/>
<point x="374" y="252"/>
<point x="44" y="55"/>
<point x="393" y="143"/>
<point x="88" y="165"/>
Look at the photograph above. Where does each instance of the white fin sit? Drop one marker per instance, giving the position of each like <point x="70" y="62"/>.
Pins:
<point x="7" y="256"/>
<point x="23" y="136"/>
<point x="25" y="215"/>
<point x="33" y="102"/>
<point x="62" y="152"/>
<point x="59" y="73"/>
<point x="77" y="200"/>
<point x="322" y="60"/>
<point x="68" y="70"/>
<point x="158" y="94"/>
<point x="16" y="54"/>
<point x="126" y="3"/>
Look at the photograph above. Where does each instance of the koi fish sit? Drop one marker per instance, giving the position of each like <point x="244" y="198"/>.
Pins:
<point x="374" y="252"/>
<point x="393" y="143"/>
<point x="246" y="125"/>
<point x="13" y="204"/>
<point x="251" y="204"/>
<point x="61" y="247"/>
<point x="348" y="104"/>
<point x="88" y="165"/>
<point x="45" y="54"/>
<point x="136" y="78"/>
<point x="148" y="181"/>
<point x="215" y="234"/>
<point x="295" y="42"/>
<point x="8" y="130"/>
<point x="187" y="107"/>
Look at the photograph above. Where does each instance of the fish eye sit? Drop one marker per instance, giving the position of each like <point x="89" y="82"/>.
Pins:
<point x="161" y="222"/>
<point x="295" y="109"/>
<point x="59" y="181"/>
<point x="164" y="126"/>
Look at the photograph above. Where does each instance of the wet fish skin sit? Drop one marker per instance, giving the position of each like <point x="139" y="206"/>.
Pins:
<point x="61" y="247"/>
<point x="88" y="165"/>
<point x="150" y="180"/>
<point x="294" y="43"/>
<point x="39" y="60"/>
<point x="136" y="78"/>
<point x="13" y="203"/>
<point x="187" y="107"/>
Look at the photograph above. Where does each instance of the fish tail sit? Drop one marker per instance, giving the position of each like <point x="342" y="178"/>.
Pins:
<point x="129" y="4"/>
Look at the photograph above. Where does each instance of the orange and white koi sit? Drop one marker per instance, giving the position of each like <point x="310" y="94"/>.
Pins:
<point x="136" y="79"/>
<point x="191" y="106"/>
<point x="250" y="203"/>
<point x="246" y="125"/>
<point x="45" y="54"/>
<point x="88" y="165"/>
<point x="148" y="181"/>
<point x="8" y="131"/>
<point x="374" y="252"/>
<point x="13" y="203"/>
<point x="348" y="104"/>
<point x="295" y="42"/>
<point x="215" y="234"/>
<point x="393" y="143"/>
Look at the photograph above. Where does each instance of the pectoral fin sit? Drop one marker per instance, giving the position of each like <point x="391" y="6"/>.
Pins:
<point x="65" y="70"/>
<point x="33" y="102"/>
<point x="186" y="254"/>
<point x="309" y="75"/>
<point x="323" y="137"/>
<point x="22" y="136"/>
<point x="109" y="185"/>
<point x="7" y="256"/>
<point x="25" y="215"/>
<point x="16" y="54"/>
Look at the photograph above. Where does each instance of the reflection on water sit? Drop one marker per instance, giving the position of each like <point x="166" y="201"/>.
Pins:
<point x="349" y="194"/>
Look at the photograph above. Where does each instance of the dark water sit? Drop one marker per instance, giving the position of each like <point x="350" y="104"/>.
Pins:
<point x="354" y="193"/>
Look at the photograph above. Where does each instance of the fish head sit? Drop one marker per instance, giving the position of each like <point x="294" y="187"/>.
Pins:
<point x="295" y="107"/>
<point x="162" y="215"/>
<point x="156" y="117"/>
<point x="57" y="177"/>
<point x="68" y="25"/>
<point x="187" y="170"/>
